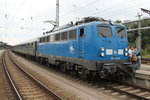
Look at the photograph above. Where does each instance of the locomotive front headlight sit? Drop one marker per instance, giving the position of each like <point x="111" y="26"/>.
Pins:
<point x="126" y="49"/>
<point x="126" y="54"/>
<point x="102" y="54"/>
<point x="102" y="49"/>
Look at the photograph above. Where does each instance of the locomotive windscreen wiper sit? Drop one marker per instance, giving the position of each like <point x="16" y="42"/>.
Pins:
<point x="120" y="32"/>
<point x="103" y="34"/>
<point x="120" y="29"/>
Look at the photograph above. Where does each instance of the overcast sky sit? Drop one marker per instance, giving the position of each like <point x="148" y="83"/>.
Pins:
<point x="22" y="20"/>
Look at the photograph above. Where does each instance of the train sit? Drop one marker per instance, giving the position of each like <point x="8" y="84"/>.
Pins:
<point x="92" y="47"/>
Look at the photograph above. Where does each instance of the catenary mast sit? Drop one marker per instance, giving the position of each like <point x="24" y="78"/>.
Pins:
<point x="57" y="13"/>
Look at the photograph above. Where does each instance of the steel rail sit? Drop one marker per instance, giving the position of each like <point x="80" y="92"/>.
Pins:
<point x="49" y="91"/>
<point x="126" y="92"/>
<point x="19" y="97"/>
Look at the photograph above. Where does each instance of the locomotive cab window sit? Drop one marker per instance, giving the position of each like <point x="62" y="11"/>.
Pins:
<point x="104" y="31"/>
<point x="120" y="32"/>
<point x="81" y="32"/>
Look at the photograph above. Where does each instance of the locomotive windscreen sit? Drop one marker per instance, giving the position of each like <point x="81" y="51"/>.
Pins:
<point x="120" y="32"/>
<point x="105" y="31"/>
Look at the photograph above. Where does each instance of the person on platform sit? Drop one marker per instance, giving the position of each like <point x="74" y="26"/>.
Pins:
<point x="136" y="58"/>
<point x="132" y="57"/>
<point x="130" y="53"/>
<point x="138" y="54"/>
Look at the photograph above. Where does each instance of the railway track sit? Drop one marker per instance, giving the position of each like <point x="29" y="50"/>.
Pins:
<point x="25" y="86"/>
<point x="131" y="91"/>
<point x="122" y="90"/>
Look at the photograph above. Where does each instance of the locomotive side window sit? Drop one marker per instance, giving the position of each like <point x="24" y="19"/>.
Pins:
<point x="47" y="39"/>
<point x="52" y="38"/>
<point x="57" y="37"/>
<point x="64" y="36"/>
<point x="120" y="32"/>
<point x="72" y="34"/>
<point x="104" y="31"/>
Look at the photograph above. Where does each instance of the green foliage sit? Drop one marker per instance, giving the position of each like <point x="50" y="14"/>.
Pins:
<point x="118" y="21"/>
<point x="145" y="36"/>
<point x="145" y="54"/>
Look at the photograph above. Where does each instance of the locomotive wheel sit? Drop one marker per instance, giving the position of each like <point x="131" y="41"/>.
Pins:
<point x="63" y="67"/>
<point x="73" y="73"/>
<point x="83" y="75"/>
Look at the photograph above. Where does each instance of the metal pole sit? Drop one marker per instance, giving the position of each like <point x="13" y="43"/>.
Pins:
<point x="142" y="28"/>
<point x="57" y="13"/>
<point x="139" y="38"/>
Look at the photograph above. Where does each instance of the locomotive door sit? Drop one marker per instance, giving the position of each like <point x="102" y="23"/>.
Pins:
<point x="81" y="37"/>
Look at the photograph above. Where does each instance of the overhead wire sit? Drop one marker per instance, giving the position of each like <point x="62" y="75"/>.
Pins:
<point x="121" y="9"/>
<point x="8" y="24"/>
<point x="78" y="8"/>
<point x="110" y="9"/>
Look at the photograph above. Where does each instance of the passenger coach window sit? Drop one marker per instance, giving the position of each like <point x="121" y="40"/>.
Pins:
<point x="64" y="36"/>
<point x="120" y="32"/>
<point x="43" y="39"/>
<point x="40" y="40"/>
<point x="72" y="35"/>
<point x="104" y="31"/>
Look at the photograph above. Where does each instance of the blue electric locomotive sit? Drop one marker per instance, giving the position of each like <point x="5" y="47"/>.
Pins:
<point x="92" y="47"/>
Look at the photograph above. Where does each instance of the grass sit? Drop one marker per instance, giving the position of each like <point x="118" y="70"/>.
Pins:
<point x="145" y="56"/>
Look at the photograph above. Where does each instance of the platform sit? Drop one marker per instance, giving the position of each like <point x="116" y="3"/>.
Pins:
<point x="142" y="76"/>
<point x="145" y="67"/>
<point x="144" y="72"/>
